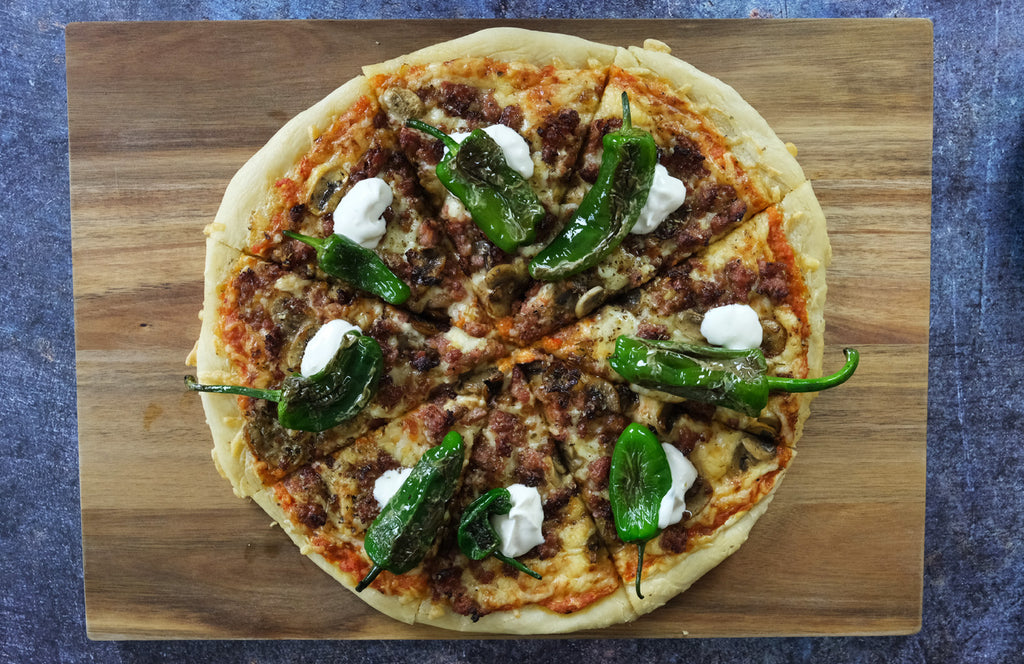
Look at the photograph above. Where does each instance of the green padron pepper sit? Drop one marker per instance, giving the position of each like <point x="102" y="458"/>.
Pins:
<point x="733" y="379"/>
<point x="402" y="533"/>
<point x="327" y="398"/>
<point x="638" y="480"/>
<point x="609" y="210"/>
<point x="340" y="257"/>
<point x="476" y="536"/>
<point x="501" y="201"/>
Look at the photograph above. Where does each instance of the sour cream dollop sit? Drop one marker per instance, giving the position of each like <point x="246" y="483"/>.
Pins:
<point x="324" y="345"/>
<point x="359" y="215"/>
<point x="513" y="146"/>
<point x="388" y="484"/>
<point x="673" y="504"/>
<point x="667" y="193"/>
<point x="520" y="529"/>
<point x="734" y="326"/>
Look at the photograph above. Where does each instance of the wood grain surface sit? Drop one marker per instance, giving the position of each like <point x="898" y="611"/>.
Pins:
<point x="162" y="114"/>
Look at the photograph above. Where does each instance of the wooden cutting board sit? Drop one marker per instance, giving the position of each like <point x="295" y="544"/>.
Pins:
<point x="162" y="114"/>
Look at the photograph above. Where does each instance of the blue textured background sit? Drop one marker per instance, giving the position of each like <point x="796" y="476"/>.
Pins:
<point x="974" y="558"/>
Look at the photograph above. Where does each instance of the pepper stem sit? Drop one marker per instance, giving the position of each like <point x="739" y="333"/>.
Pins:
<point x="315" y="242"/>
<point x="627" y="120"/>
<point x="640" y="566"/>
<point x="254" y="392"/>
<point x="515" y="563"/>
<point x="368" y="579"/>
<point x="817" y="384"/>
<point x="450" y="142"/>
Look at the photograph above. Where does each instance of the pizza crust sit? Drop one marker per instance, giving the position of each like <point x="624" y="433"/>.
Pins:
<point x="609" y="610"/>
<point x="754" y="144"/>
<point x="659" y="589"/>
<point x="396" y="607"/>
<point x="247" y="194"/>
<point x="807" y="233"/>
<point x="507" y="44"/>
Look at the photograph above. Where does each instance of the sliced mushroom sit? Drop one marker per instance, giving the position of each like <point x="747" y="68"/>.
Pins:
<point x="697" y="498"/>
<point x="775" y="337"/>
<point x="504" y="282"/>
<point x="505" y="275"/>
<point x="326" y="190"/>
<point x="402" y="103"/>
<point x="590" y="300"/>
<point x="766" y="426"/>
<point x="758" y="448"/>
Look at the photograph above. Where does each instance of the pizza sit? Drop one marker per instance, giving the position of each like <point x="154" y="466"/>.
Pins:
<point x="425" y="300"/>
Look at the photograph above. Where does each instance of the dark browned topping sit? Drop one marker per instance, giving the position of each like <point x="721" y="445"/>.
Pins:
<point x="683" y="160"/>
<point x="557" y="133"/>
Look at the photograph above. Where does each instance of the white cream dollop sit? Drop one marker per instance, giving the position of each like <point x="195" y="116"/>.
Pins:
<point x="513" y="146"/>
<point x="734" y="326"/>
<point x="388" y="484"/>
<point x="667" y="193"/>
<point x="322" y="348"/>
<point x="359" y="215"/>
<point x="520" y="529"/>
<point x="684" y="474"/>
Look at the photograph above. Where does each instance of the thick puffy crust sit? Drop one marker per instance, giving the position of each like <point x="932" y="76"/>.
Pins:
<point x="533" y="619"/>
<point x="749" y="201"/>
<point x="807" y="234"/>
<point x="509" y="45"/>
<point x="764" y="158"/>
<point x="252" y="198"/>
<point x="667" y="583"/>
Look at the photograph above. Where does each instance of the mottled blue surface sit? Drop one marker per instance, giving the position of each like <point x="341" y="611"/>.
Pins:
<point x="974" y="557"/>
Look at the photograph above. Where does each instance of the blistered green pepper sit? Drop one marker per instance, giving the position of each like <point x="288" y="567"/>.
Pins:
<point x="733" y="379"/>
<point x="638" y="480"/>
<point x="476" y="535"/>
<point x="340" y="257"/>
<point x="501" y="201"/>
<point x="402" y="533"/>
<point x="609" y="210"/>
<point x="327" y="398"/>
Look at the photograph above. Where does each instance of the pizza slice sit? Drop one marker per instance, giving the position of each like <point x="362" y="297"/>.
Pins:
<point x="258" y="318"/>
<point x="534" y="94"/>
<point x="333" y="170"/>
<point x="775" y="264"/>
<point x="711" y="146"/>
<point x="328" y="504"/>
<point x="736" y="474"/>
<point x="552" y="534"/>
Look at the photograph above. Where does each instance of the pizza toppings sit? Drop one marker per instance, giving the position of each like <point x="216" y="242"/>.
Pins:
<point x="666" y="195"/>
<point x="520" y="527"/>
<point x="734" y="379"/>
<point x="324" y="345"/>
<point x="733" y="326"/>
<point x="360" y="214"/>
<point x="684" y="474"/>
<point x="403" y="532"/>
<point x="344" y="259"/>
<point x="388" y="484"/>
<point x="323" y="400"/>
<point x="638" y="479"/>
<point x="504" y="523"/>
<point x="513" y="146"/>
<point x="610" y="208"/>
<point x="499" y="199"/>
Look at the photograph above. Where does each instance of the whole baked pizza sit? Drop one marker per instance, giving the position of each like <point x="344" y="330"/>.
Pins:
<point x="516" y="333"/>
